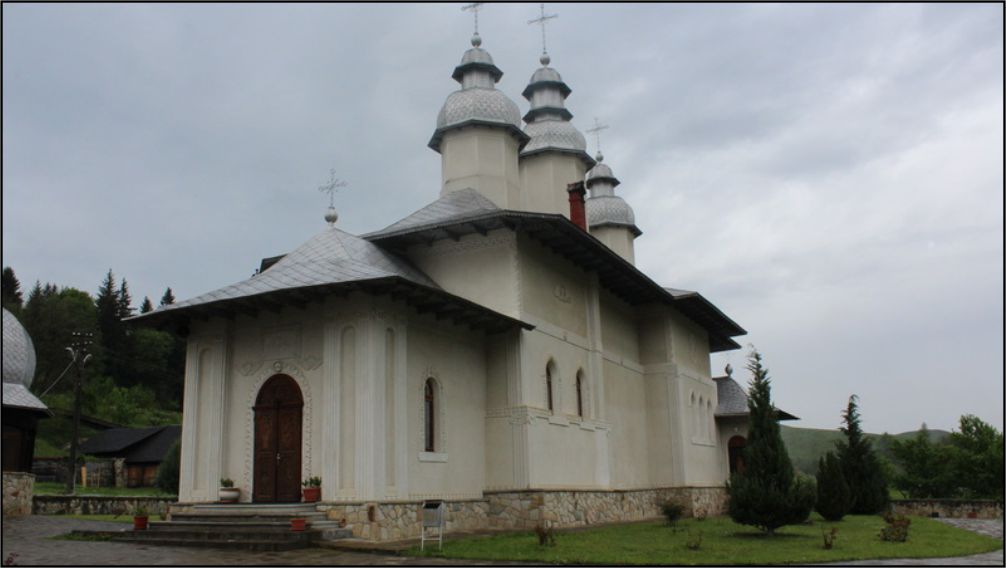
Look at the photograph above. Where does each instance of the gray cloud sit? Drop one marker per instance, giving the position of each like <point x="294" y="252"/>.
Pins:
<point x="829" y="175"/>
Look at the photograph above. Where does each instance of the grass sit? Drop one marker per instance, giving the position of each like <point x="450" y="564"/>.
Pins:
<point x="723" y="543"/>
<point x="53" y="488"/>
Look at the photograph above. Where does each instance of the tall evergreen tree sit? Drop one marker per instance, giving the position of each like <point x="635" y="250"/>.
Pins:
<point x="768" y="494"/>
<point x="147" y="306"/>
<point x="11" y="291"/>
<point x="124" y="301"/>
<point x="860" y="465"/>
<point x="113" y="333"/>
<point x="834" y="498"/>
<point x="168" y="298"/>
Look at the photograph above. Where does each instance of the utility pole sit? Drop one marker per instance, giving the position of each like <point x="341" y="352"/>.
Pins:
<point x="79" y="357"/>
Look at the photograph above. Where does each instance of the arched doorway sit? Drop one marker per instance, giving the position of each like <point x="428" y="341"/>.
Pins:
<point x="278" y="411"/>
<point x="735" y="451"/>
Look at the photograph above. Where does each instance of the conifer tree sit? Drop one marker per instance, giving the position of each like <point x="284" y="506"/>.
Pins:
<point x="147" y="306"/>
<point x="11" y="290"/>
<point x="834" y="498"/>
<point x="113" y="335"/>
<point x="168" y="298"/>
<point x="124" y="302"/>
<point x="860" y="465"/>
<point x="768" y="494"/>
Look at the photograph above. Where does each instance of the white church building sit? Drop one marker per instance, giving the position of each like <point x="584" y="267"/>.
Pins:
<point x="497" y="349"/>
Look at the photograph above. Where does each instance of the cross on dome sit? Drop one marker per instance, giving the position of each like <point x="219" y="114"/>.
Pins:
<point x="596" y="131"/>
<point x="542" y="20"/>
<point x="474" y="8"/>
<point x="331" y="188"/>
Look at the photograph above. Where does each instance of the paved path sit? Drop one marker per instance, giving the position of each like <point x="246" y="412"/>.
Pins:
<point x="31" y="539"/>
<point x="993" y="528"/>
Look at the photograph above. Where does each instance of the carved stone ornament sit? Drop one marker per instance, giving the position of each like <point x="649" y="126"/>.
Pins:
<point x="310" y="362"/>
<point x="248" y="368"/>
<point x="562" y="294"/>
<point x="277" y="366"/>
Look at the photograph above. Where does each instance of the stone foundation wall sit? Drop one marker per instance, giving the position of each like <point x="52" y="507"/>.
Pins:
<point x="949" y="508"/>
<point x="96" y="505"/>
<point x="516" y="510"/>
<point x="18" y="489"/>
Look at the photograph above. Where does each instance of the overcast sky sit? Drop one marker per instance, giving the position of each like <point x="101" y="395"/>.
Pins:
<point x="830" y="176"/>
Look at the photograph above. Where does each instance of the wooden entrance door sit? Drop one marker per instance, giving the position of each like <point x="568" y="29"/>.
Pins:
<point x="278" y="411"/>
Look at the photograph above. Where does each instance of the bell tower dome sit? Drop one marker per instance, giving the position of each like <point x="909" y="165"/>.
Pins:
<point x="609" y="217"/>
<point x="478" y="133"/>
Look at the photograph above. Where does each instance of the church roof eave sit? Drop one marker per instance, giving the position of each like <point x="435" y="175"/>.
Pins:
<point x="581" y="154"/>
<point x="732" y="401"/>
<point x="413" y="293"/>
<point x="560" y="234"/>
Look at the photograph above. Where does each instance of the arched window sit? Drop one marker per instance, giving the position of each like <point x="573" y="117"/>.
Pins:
<point x="735" y="454"/>
<point x="429" y="415"/>
<point x="709" y="421"/>
<point x="548" y="386"/>
<point x="579" y="394"/>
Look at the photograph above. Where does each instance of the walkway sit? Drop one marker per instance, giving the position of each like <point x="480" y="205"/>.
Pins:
<point x="993" y="528"/>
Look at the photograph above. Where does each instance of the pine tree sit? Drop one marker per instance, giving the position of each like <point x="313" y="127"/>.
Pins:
<point x="834" y="498"/>
<point x="113" y="334"/>
<point x="147" y="306"/>
<point x="768" y="494"/>
<point x="168" y="298"/>
<point x="860" y="465"/>
<point x="124" y="302"/>
<point x="11" y="290"/>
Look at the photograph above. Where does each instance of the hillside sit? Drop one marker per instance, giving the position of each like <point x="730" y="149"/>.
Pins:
<point x="807" y="445"/>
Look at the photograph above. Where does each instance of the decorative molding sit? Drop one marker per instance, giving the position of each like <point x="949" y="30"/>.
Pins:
<point x="562" y="294"/>
<point x="311" y="362"/>
<point x="249" y="367"/>
<point x="440" y="420"/>
<point x="307" y="424"/>
<point x="433" y="457"/>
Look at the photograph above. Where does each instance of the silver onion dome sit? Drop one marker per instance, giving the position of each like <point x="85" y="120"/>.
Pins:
<point x="548" y="119"/>
<point x="603" y="206"/>
<point x="478" y="101"/>
<point x="18" y="352"/>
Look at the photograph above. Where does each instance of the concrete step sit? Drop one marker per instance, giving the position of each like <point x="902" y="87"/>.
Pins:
<point x="236" y="518"/>
<point x="231" y="526"/>
<point x="264" y="545"/>
<point x="253" y="508"/>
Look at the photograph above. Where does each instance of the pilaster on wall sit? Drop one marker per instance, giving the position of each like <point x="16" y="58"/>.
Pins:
<point x="205" y="407"/>
<point x="595" y="374"/>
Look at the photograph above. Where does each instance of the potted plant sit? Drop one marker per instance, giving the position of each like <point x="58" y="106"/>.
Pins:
<point x="298" y="524"/>
<point x="140" y="517"/>
<point x="227" y="492"/>
<point x="312" y="489"/>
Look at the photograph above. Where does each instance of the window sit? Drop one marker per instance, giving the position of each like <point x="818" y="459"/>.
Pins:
<point x="548" y="386"/>
<point x="429" y="416"/>
<point x="579" y="394"/>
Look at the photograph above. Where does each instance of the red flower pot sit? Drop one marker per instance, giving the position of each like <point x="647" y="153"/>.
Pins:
<point x="312" y="494"/>
<point x="298" y="524"/>
<point x="140" y="523"/>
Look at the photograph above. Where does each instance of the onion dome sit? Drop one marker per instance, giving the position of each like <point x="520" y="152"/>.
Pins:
<point x="548" y="120"/>
<point x="604" y="208"/>
<point x="478" y="101"/>
<point x="18" y="352"/>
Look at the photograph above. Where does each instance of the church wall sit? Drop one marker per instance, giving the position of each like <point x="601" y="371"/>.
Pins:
<point x="456" y="359"/>
<point x="619" y="239"/>
<point x="619" y="332"/>
<point x="625" y="395"/>
<point x="482" y="269"/>
<point x="544" y="177"/>
<point x="552" y="288"/>
<point x="484" y="159"/>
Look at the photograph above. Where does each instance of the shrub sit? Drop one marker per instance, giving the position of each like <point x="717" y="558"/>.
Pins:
<point x="546" y="535"/>
<point x="834" y="498"/>
<point x="167" y="472"/>
<point x="226" y="482"/>
<point x="694" y="541"/>
<point x="672" y="512"/>
<point x="768" y="494"/>
<point x="896" y="529"/>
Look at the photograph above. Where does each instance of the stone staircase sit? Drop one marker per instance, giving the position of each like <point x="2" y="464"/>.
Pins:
<point x="246" y="526"/>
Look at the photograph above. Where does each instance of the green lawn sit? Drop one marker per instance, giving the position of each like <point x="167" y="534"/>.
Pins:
<point x="723" y="542"/>
<point x="53" y="488"/>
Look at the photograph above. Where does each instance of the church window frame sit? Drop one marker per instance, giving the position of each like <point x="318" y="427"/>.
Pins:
<point x="432" y="420"/>
<point x="551" y="386"/>
<point x="579" y="394"/>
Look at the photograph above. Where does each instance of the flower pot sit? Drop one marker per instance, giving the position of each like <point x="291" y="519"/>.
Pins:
<point x="298" y="524"/>
<point x="140" y="522"/>
<point x="229" y="494"/>
<point x="312" y="494"/>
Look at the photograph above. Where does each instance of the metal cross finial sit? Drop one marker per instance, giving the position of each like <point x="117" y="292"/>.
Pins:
<point x="474" y="8"/>
<point x="542" y="20"/>
<point x="332" y="187"/>
<point x="596" y="131"/>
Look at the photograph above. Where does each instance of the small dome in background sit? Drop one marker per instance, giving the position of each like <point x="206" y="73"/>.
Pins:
<point x="18" y="352"/>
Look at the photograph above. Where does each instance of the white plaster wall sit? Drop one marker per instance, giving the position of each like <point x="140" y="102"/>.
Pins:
<point x="545" y="176"/>
<point x="456" y="359"/>
<point x="619" y="239"/>
<point x="552" y="288"/>
<point x="483" y="269"/>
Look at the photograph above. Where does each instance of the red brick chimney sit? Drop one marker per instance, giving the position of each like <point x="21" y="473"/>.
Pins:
<point x="577" y="208"/>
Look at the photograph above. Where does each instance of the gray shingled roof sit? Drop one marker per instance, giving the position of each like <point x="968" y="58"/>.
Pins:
<point x="454" y="206"/>
<point x="732" y="400"/>
<point x="18" y="396"/>
<point x="136" y="445"/>
<point x="330" y="257"/>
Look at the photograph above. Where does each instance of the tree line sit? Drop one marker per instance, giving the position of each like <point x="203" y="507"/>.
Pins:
<point x="135" y="375"/>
